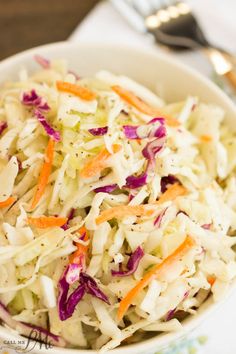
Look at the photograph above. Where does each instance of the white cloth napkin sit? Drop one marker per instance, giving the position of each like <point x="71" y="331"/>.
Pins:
<point x="104" y="24"/>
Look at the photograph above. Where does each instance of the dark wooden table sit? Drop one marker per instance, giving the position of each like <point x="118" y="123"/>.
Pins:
<point x="28" y="23"/>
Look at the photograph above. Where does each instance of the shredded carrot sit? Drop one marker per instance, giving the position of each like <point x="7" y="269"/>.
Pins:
<point x="154" y="273"/>
<point x="76" y="90"/>
<point x="44" y="174"/>
<point x="7" y="202"/>
<point x="206" y="138"/>
<point x="123" y="210"/>
<point x="81" y="249"/>
<point x="98" y="163"/>
<point x="171" y="121"/>
<point x="174" y="191"/>
<point x="43" y="222"/>
<point x="143" y="107"/>
<point x="211" y="279"/>
<point x="133" y="100"/>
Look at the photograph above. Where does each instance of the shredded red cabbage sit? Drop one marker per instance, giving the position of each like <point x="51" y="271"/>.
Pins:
<point x="106" y="189"/>
<point x="73" y="273"/>
<point x="45" y="63"/>
<point x="153" y="148"/>
<point x="87" y="284"/>
<point x="67" y="307"/>
<point x="55" y="135"/>
<point x="98" y="131"/>
<point x="74" y="299"/>
<point x="69" y="218"/>
<point x="63" y="289"/>
<point x="131" y="196"/>
<point x="160" y="132"/>
<point x="170" y="314"/>
<point x="75" y="74"/>
<point x="81" y="260"/>
<point x="3" y="126"/>
<point x="19" y="164"/>
<point x="157" y="131"/>
<point x="82" y="237"/>
<point x="158" y="220"/>
<point x="130" y="131"/>
<point x="132" y="264"/>
<point x="186" y="294"/>
<point x="166" y="181"/>
<point x="6" y="317"/>
<point x="133" y="182"/>
<point x="32" y="99"/>
<point x="161" y="120"/>
<point x="92" y="287"/>
<point x="206" y="226"/>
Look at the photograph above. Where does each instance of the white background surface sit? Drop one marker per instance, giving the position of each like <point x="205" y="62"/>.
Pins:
<point x="218" y="19"/>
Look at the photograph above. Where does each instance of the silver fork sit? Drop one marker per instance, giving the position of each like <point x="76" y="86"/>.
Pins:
<point x="173" y="24"/>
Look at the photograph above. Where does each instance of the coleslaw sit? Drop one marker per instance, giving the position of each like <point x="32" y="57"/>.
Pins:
<point x="117" y="209"/>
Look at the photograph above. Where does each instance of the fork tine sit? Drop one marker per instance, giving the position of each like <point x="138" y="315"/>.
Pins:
<point x="155" y="5"/>
<point x="144" y="7"/>
<point x="132" y="16"/>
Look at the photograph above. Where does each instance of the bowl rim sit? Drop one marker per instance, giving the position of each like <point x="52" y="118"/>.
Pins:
<point x="161" y="340"/>
<point x="148" y="51"/>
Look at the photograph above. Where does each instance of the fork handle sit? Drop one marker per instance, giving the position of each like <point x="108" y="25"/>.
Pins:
<point x="231" y="77"/>
<point x="222" y="64"/>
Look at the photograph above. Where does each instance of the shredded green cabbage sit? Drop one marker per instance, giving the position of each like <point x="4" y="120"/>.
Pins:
<point x="201" y="155"/>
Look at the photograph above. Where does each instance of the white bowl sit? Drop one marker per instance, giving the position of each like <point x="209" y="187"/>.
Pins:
<point x="175" y="81"/>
